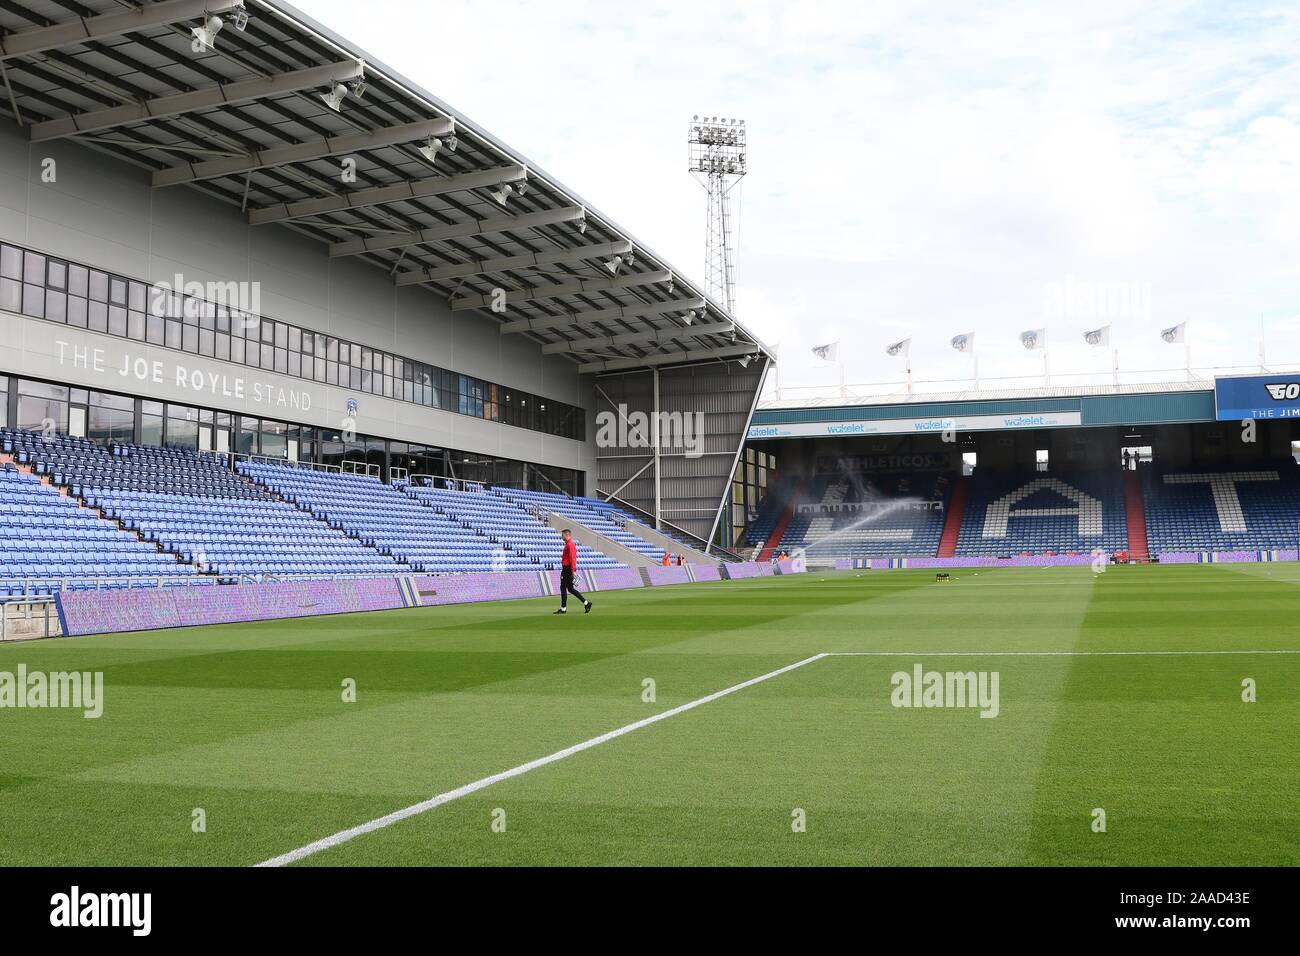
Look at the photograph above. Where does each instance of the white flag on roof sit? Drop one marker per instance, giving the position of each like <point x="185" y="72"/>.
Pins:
<point x="1034" y="339"/>
<point x="1098" y="338"/>
<point x="1175" y="334"/>
<point x="826" y="352"/>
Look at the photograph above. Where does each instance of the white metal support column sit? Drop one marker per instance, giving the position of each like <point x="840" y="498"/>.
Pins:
<point x="658" y="480"/>
<point x="740" y="450"/>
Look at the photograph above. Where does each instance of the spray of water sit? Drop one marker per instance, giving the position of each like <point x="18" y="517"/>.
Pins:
<point x="879" y="509"/>
<point x="876" y="508"/>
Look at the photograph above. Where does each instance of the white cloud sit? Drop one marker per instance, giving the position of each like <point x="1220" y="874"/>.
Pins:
<point x="915" y="168"/>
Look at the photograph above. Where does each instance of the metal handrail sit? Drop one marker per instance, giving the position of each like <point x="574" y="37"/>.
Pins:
<point x="682" y="531"/>
<point x="446" y="484"/>
<point x="282" y="462"/>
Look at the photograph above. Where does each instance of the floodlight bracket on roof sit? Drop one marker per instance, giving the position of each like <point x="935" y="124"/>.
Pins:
<point x="669" y="358"/>
<point x="381" y="195"/>
<point x="108" y="25"/>
<point x="640" y="310"/>
<point x="637" y="338"/>
<point x="509" y="263"/>
<point x="459" y="230"/>
<point x="301" y="152"/>
<point x="160" y="107"/>
<point x="541" y="293"/>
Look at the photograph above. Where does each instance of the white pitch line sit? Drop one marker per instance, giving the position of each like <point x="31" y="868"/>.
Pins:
<point x="343" y="836"/>
<point x="1047" y="653"/>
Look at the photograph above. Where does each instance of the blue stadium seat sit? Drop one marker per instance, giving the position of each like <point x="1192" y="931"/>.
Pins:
<point x="1249" y="508"/>
<point x="156" y="512"/>
<point x="860" y="516"/>
<point x="432" y="530"/>
<point x="1056" y="512"/>
<point x="53" y="542"/>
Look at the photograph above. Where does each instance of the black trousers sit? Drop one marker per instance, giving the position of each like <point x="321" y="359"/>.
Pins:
<point x="567" y="588"/>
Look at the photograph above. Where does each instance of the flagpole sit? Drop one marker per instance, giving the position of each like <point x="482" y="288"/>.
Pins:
<point x="1114" y="364"/>
<point x="909" y="370"/>
<point x="777" y="370"/>
<point x="843" y="393"/>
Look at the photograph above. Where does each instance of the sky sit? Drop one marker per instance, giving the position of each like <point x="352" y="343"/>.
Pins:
<point x="918" y="170"/>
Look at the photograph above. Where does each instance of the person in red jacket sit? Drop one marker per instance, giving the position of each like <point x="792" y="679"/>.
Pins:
<point x="568" y="567"/>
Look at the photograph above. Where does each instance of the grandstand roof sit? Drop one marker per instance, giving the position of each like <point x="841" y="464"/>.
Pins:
<point x="1064" y="407"/>
<point x="244" y="120"/>
<point x="986" y="395"/>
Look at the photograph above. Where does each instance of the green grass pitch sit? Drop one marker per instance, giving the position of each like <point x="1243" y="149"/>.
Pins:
<point x="249" y="724"/>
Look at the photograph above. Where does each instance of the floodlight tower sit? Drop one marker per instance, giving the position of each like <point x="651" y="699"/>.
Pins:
<point x="716" y="154"/>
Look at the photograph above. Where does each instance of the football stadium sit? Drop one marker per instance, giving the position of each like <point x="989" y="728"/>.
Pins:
<point x="371" y="498"/>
